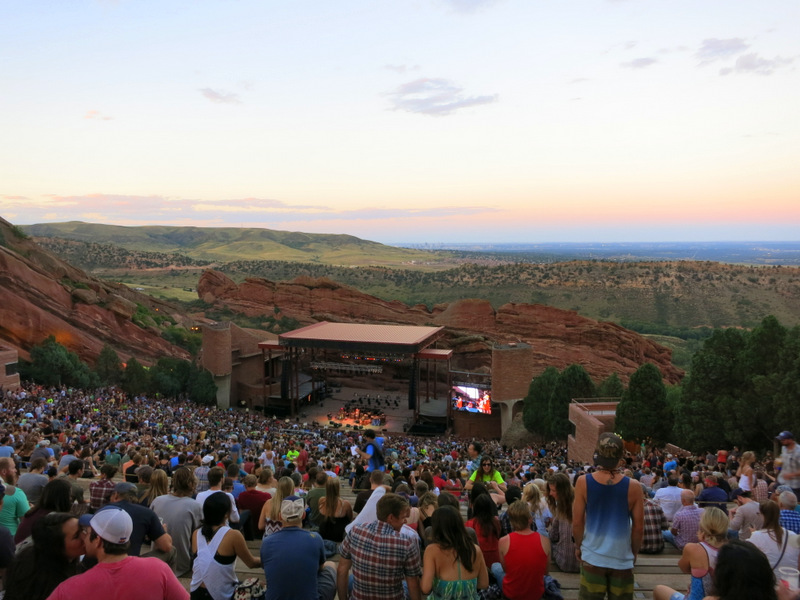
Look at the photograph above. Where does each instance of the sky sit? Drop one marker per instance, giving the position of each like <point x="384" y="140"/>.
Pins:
<point x="406" y="120"/>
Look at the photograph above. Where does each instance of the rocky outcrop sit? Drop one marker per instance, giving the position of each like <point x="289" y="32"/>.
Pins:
<point x="559" y="337"/>
<point x="41" y="295"/>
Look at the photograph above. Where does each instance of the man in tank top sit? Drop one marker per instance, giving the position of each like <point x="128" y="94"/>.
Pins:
<point x="608" y="523"/>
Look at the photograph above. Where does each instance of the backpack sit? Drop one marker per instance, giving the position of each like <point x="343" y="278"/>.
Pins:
<point x="250" y="589"/>
<point x="377" y="454"/>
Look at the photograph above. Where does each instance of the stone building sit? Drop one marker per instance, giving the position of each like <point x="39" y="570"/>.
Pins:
<point x="9" y="371"/>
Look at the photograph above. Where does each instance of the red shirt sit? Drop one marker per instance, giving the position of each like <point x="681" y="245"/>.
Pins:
<point x="252" y="500"/>
<point x="526" y="565"/>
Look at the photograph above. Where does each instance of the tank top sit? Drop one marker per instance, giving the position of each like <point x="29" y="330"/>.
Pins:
<point x="220" y="580"/>
<point x="526" y="563"/>
<point x="460" y="589"/>
<point x="701" y="584"/>
<point x="607" y="533"/>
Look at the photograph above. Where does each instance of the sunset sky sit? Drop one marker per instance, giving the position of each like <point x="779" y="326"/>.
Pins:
<point x="407" y="120"/>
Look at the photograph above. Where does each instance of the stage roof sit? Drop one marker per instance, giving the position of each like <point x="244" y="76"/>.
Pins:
<point x="359" y="337"/>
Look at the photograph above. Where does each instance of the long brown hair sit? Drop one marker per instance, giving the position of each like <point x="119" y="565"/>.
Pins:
<point x="562" y="505"/>
<point x="331" y="499"/>
<point x="772" y="520"/>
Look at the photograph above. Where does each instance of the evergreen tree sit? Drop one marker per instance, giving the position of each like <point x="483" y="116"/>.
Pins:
<point x="52" y="364"/>
<point x="573" y="382"/>
<point x="535" y="405"/>
<point x="108" y="367"/>
<point x="611" y="387"/>
<point x="135" y="379"/>
<point x="643" y="414"/>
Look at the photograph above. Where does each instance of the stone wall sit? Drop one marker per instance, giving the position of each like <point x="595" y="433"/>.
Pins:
<point x="9" y="377"/>
<point x="590" y="420"/>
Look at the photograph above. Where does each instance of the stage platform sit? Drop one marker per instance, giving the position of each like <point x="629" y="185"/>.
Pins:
<point x="398" y="419"/>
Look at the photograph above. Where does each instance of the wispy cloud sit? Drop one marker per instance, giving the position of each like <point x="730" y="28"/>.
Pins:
<point x="160" y="210"/>
<point x="434" y="96"/>
<point x="470" y="6"/>
<point x="754" y="64"/>
<point x="220" y="97"/>
<point x="639" y="63"/>
<point x="401" y="69"/>
<point x="713" y="49"/>
<point x="96" y="114"/>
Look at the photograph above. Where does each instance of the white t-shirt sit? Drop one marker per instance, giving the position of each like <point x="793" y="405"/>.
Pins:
<point x="201" y="498"/>
<point x="762" y="540"/>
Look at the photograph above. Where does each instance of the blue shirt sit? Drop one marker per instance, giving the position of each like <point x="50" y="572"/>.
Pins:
<point x="790" y="520"/>
<point x="291" y="558"/>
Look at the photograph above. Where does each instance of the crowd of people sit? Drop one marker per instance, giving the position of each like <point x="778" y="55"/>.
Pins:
<point x="176" y="490"/>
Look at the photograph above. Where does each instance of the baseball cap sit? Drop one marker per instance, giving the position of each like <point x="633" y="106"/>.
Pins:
<point x="112" y="524"/>
<point x="785" y="435"/>
<point x="739" y="492"/>
<point x="124" y="487"/>
<point x="609" y="451"/>
<point x="292" y="507"/>
<point x="207" y="459"/>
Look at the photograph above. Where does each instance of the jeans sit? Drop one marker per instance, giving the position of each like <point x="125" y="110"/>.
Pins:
<point x="498" y="573"/>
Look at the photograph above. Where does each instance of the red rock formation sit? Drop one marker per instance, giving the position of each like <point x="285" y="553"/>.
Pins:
<point x="559" y="337"/>
<point x="41" y="295"/>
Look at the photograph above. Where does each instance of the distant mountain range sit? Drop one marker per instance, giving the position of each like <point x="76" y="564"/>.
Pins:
<point x="749" y="253"/>
<point x="233" y="243"/>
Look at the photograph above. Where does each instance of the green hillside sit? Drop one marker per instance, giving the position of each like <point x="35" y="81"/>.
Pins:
<point x="225" y="244"/>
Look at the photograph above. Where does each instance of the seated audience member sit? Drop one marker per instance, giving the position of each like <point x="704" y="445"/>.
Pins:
<point x="524" y="557"/>
<point x="512" y="493"/>
<point x="699" y="559"/>
<point x="560" y="498"/>
<point x="453" y="565"/>
<point x="655" y="522"/>
<point x="56" y="497"/>
<point x="779" y="545"/>
<point x="743" y="573"/>
<point x="713" y="495"/>
<point x="790" y="518"/>
<point x="294" y="559"/>
<point x="487" y="527"/>
<point x="216" y="547"/>
<point x="335" y="513"/>
<point x="745" y="516"/>
<point x="34" y="480"/>
<point x="38" y="568"/>
<point x="253" y="501"/>
<point x="146" y="524"/>
<point x="376" y="546"/>
<point x="685" y="523"/>
<point x="181" y="516"/>
<point x="669" y="498"/>
<point x="101" y="489"/>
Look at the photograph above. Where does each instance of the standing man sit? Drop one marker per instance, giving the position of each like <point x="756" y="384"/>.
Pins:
<point x="381" y="557"/>
<point x="790" y="462"/>
<point x="116" y="574"/>
<point x="607" y="524"/>
<point x="373" y="452"/>
<point x="474" y="452"/>
<point x="294" y="559"/>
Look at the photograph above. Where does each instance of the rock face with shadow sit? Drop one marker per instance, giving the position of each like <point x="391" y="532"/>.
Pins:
<point x="41" y="295"/>
<point x="558" y="337"/>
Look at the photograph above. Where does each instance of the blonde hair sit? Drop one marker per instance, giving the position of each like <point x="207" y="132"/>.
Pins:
<point x="284" y="490"/>
<point x="533" y="496"/>
<point x="159" y="485"/>
<point x="714" y="526"/>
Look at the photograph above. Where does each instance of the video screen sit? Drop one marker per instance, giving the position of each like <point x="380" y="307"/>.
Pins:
<point x="471" y="399"/>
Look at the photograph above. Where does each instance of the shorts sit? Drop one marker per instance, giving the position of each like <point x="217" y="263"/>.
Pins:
<point x="597" y="582"/>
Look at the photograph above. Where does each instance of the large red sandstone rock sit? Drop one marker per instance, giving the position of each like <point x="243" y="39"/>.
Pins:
<point x="41" y="295"/>
<point x="559" y="337"/>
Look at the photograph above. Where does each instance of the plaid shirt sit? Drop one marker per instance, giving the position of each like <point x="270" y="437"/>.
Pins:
<point x="655" y="521"/>
<point x="100" y="493"/>
<point x="687" y="523"/>
<point x="382" y="559"/>
<point x="790" y="520"/>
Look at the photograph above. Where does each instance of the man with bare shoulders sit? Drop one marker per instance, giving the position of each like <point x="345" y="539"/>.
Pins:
<point x="607" y="525"/>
